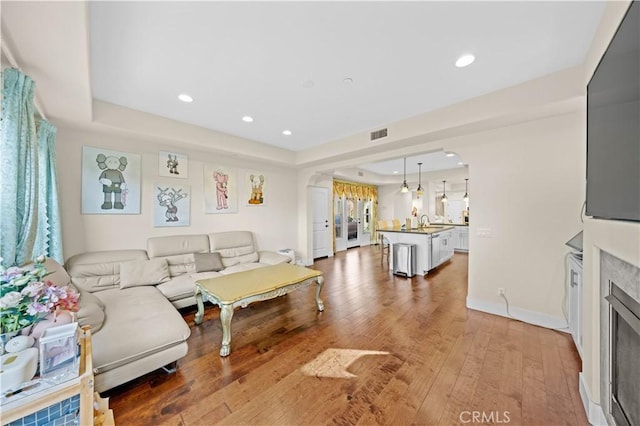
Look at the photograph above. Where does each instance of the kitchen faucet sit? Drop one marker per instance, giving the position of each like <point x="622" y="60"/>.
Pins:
<point x="422" y="222"/>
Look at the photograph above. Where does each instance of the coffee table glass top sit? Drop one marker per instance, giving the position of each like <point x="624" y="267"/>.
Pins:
<point x="240" y="285"/>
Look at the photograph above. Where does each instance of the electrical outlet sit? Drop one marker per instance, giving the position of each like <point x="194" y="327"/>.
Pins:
<point x="501" y="292"/>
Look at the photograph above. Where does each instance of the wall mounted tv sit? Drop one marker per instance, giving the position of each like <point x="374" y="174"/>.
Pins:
<point x="613" y="126"/>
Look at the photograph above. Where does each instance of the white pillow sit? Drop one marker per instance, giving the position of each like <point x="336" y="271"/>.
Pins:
<point x="144" y="272"/>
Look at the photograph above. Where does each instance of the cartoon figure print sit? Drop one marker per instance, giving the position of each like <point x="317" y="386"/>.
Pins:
<point x="257" y="183"/>
<point x="222" y="180"/>
<point x="168" y="198"/>
<point x="172" y="164"/>
<point x="114" y="186"/>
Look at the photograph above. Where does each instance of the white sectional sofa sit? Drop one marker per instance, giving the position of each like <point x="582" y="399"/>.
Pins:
<point x="130" y="297"/>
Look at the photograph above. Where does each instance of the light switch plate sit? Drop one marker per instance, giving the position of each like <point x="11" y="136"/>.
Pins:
<point x="484" y="232"/>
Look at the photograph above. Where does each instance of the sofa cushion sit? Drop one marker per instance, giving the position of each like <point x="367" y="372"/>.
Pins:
<point x="234" y="247"/>
<point x="240" y="267"/>
<point x="183" y="286"/>
<point x="177" y="244"/>
<point x="271" y="258"/>
<point x="91" y="311"/>
<point x="158" y="326"/>
<point x="143" y="272"/>
<point x="100" y="270"/>
<point x="56" y="273"/>
<point x="208" y="262"/>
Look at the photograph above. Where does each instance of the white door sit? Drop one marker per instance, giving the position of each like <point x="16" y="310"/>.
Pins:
<point x="321" y="230"/>
<point x="354" y="225"/>
<point x="365" y="223"/>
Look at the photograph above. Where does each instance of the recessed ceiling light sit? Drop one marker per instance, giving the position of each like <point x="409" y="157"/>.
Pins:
<point x="185" y="98"/>
<point x="247" y="119"/>
<point x="347" y="80"/>
<point x="395" y="172"/>
<point x="465" y="60"/>
<point x="460" y="163"/>
<point x="286" y="132"/>
<point x="450" y="154"/>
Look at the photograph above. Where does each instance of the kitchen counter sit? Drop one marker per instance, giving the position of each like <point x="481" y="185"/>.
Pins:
<point x="426" y="230"/>
<point x="428" y="255"/>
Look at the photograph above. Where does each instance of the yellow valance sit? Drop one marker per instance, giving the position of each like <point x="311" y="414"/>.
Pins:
<point x="348" y="189"/>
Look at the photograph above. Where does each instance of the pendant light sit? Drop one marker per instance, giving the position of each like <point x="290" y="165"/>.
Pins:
<point x="419" y="191"/>
<point x="444" y="191"/>
<point x="405" y="187"/>
<point x="466" y="192"/>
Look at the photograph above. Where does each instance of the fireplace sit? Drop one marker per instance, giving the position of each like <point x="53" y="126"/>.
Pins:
<point x="620" y="340"/>
<point x="625" y="361"/>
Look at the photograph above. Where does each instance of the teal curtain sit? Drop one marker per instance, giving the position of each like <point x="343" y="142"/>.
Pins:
<point x="28" y="190"/>
<point x="49" y="236"/>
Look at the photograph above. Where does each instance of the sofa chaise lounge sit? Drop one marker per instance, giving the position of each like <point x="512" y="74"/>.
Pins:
<point x="130" y="297"/>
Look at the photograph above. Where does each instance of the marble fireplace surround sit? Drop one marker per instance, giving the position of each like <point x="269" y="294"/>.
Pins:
<point x="626" y="277"/>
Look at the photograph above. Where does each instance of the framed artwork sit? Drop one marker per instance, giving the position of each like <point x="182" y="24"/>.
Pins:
<point x="171" y="205"/>
<point x="172" y="164"/>
<point x="220" y="189"/>
<point x="110" y="182"/>
<point x="255" y="184"/>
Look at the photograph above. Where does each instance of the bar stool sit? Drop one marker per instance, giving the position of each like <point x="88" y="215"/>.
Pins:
<point x="384" y="243"/>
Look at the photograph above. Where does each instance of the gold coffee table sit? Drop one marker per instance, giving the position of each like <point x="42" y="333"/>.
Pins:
<point x="242" y="288"/>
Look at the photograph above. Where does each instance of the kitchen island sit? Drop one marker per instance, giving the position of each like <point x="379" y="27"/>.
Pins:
<point x="433" y="244"/>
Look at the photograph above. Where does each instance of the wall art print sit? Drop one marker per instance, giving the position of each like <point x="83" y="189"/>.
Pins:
<point x="220" y="189"/>
<point x="171" y="164"/>
<point x="110" y="182"/>
<point x="255" y="184"/>
<point x="172" y="205"/>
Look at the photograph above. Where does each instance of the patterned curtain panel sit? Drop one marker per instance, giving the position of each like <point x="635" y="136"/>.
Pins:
<point x="49" y="237"/>
<point x="18" y="170"/>
<point x="29" y="213"/>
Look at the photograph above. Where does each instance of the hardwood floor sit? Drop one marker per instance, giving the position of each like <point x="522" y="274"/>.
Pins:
<point x="441" y="364"/>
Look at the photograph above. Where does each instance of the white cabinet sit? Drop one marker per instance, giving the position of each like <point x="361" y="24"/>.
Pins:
<point x="461" y="238"/>
<point x="446" y="246"/>
<point x="574" y="267"/>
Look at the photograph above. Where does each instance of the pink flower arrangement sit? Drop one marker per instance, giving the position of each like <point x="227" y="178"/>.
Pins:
<point x="26" y="297"/>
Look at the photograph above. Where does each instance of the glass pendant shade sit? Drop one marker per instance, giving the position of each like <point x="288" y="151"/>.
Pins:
<point x="404" y="187"/>
<point x="419" y="191"/>
<point x="444" y="192"/>
<point x="466" y="192"/>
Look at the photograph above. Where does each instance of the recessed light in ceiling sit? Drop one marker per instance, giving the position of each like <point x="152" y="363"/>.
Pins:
<point x="185" y="98"/>
<point x="450" y="154"/>
<point x="347" y="80"/>
<point x="286" y="132"/>
<point x="247" y="119"/>
<point x="460" y="163"/>
<point x="395" y="172"/>
<point x="465" y="60"/>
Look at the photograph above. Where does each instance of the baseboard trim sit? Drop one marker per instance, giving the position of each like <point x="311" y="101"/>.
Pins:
<point x="531" y="317"/>
<point x="594" y="412"/>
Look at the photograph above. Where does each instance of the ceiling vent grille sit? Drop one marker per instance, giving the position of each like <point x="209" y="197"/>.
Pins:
<point x="382" y="133"/>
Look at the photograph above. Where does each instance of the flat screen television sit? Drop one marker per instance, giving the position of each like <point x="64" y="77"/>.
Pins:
<point x="613" y="126"/>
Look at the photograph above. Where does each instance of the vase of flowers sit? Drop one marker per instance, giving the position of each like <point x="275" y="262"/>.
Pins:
<point x="26" y="297"/>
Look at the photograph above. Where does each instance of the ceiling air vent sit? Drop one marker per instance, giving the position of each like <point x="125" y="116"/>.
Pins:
<point x="382" y="133"/>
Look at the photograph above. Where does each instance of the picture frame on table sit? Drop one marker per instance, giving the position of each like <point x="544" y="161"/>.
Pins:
<point x="59" y="356"/>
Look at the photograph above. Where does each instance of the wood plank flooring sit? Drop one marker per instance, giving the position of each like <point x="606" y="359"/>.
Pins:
<point x="443" y="364"/>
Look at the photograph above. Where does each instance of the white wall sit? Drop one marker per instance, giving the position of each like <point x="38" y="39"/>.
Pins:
<point x="274" y="224"/>
<point x="621" y="239"/>
<point x="528" y="186"/>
